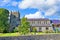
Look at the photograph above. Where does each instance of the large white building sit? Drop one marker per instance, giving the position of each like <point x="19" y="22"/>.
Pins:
<point x="41" y="25"/>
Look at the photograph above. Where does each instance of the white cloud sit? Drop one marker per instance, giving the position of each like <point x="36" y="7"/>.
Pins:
<point x="8" y="3"/>
<point x="25" y="4"/>
<point x="35" y="15"/>
<point x="51" y="11"/>
<point x="4" y="2"/>
<point x="50" y="2"/>
<point x="14" y="3"/>
<point x="36" y="3"/>
<point x="48" y="6"/>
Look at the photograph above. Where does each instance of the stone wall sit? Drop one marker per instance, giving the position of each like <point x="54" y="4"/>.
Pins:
<point x="37" y="37"/>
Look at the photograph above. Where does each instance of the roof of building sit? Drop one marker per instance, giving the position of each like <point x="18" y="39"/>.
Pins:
<point x="56" y="21"/>
<point x="41" y="25"/>
<point x="38" y="19"/>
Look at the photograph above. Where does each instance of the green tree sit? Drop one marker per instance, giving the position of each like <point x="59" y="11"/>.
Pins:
<point x="16" y="29"/>
<point x="24" y="27"/>
<point x="34" y="30"/>
<point x="4" y="13"/>
<point x="57" y="31"/>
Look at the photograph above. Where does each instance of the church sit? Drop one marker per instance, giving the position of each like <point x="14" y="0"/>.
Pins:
<point x="14" y="19"/>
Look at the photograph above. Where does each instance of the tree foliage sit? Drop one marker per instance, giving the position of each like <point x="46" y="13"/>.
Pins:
<point x="34" y="30"/>
<point x="16" y="29"/>
<point x="4" y="13"/>
<point x="24" y="27"/>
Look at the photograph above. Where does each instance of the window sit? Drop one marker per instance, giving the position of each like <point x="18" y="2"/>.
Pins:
<point x="44" y="22"/>
<point x="57" y="25"/>
<point x="39" y="29"/>
<point x="48" y="22"/>
<point x="40" y="22"/>
<point x="46" y="28"/>
<point x="33" y="22"/>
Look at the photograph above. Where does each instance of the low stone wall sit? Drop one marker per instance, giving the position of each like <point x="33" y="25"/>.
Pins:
<point x="37" y="37"/>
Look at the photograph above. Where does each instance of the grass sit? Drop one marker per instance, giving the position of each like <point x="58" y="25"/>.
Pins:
<point x="8" y="34"/>
<point x="40" y="33"/>
<point x="46" y="33"/>
<point x="18" y="34"/>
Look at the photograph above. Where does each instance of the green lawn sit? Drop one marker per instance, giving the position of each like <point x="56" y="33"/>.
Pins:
<point x="43" y="33"/>
<point x="18" y="34"/>
<point x="46" y="33"/>
<point x="9" y="34"/>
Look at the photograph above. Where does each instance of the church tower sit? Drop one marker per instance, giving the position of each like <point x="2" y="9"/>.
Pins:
<point x="14" y="20"/>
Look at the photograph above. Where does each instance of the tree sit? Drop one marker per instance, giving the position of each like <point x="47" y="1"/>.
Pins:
<point x="16" y="29"/>
<point x="57" y="30"/>
<point x="24" y="27"/>
<point x="34" y="30"/>
<point x="4" y="13"/>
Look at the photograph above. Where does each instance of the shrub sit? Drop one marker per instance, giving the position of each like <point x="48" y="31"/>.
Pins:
<point x="49" y="31"/>
<point x="15" y="30"/>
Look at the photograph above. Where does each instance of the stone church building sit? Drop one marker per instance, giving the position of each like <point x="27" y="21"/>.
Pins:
<point x="14" y="20"/>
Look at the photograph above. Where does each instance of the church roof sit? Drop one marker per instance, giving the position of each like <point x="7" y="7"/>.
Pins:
<point x="56" y="21"/>
<point x="37" y="19"/>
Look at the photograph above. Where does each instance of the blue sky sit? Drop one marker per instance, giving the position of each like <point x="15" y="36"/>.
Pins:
<point x="34" y="8"/>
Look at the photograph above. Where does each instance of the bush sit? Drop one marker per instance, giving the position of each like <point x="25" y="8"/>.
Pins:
<point x="34" y="30"/>
<point x="15" y="30"/>
<point x="49" y="31"/>
<point x="5" y="31"/>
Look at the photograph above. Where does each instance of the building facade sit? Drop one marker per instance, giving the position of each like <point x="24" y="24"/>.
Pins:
<point x="14" y="20"/>
<point x="41" y="25"/>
